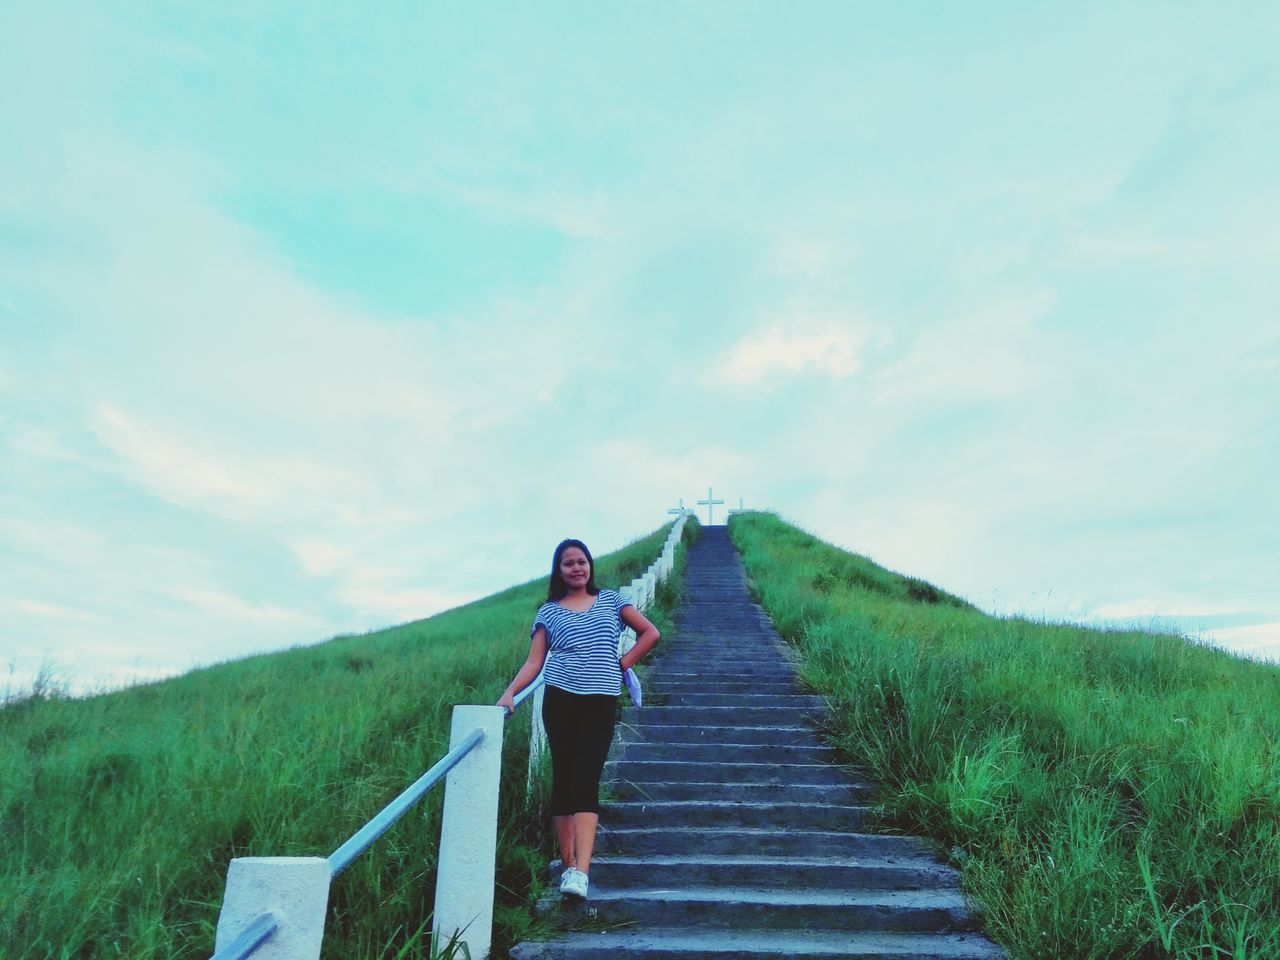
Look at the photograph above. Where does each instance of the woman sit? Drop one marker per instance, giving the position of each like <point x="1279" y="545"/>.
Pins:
<point x="576" y="635"/>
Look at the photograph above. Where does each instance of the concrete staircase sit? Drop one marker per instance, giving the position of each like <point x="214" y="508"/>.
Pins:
<point x="730" y="833"/>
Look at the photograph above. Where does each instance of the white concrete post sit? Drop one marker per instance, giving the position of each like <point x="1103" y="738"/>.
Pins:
<point x="537" y="734"/>
<point x="469" y="833"/>
<point x="296" y="888"/>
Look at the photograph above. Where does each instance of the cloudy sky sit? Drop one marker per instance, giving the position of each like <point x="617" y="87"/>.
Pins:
<point x="313" y="321"/>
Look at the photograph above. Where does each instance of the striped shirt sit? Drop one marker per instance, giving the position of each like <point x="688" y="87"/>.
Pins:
<point x="582" y="648"/>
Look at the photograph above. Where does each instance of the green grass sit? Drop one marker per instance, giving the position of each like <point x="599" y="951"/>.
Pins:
<point x="120" y="813"/>
<point x="1108" y="794"/>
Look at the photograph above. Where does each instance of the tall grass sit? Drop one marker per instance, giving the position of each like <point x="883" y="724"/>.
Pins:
<point x="1108" y="794"/>
<point x="120" y="813"/>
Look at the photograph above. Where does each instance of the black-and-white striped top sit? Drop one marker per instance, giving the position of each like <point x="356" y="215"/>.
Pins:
<point x="582" y="648"/>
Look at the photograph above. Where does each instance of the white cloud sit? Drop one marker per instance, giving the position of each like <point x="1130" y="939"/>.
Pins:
<point x="995" y="352"/>
<point x="244" y="485"/>
<point x="51" y="537"/>
<point x="53" y="611"/>
<point x="170" y="468"/>
<point x="321" y="557"/>
<point x="779" y="352"/>
<point x="1180" y="607"/>
<point x="801" y="259"/>
<point x="381" y="596"/>
<point x="230" y="608"/>
<point x="38" y="443"/>
<point x="1257" y="640"/>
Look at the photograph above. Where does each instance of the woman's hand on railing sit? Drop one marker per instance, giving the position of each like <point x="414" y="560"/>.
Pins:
<point x="507" y="702"/>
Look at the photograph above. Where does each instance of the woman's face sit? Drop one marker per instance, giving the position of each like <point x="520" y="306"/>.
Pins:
<point x="574" y="568"/>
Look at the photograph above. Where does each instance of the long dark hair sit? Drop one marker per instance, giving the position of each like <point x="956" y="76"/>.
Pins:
<point x="556" y="587"/>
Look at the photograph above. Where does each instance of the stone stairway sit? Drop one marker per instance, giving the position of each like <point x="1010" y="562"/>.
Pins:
<point x="729" y="831"/>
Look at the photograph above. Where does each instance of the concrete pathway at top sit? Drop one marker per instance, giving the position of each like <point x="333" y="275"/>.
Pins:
<point x="730" y="832"/>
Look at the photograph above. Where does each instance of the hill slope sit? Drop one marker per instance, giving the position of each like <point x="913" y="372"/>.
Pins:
<point x="121" y="812"/>
<point x="1109" y="794"/>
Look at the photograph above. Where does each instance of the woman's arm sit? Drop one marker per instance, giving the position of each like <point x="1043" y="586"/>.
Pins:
<point x="646" y="636"/>
<point x="526" y="674"/>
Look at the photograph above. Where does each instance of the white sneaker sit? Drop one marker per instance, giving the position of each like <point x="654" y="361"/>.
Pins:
<point x="574" y="883"/>
<point x="566" y="875"/>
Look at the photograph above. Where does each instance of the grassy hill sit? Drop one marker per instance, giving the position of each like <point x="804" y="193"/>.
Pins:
<point x="120" y="813"/>
<point x="1108" y="794"/>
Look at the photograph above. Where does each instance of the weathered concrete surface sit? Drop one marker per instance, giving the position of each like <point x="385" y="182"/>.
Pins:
<point x="296" y="888"/>
<point x="729" y="831"/>
<point x="469" y="832"/>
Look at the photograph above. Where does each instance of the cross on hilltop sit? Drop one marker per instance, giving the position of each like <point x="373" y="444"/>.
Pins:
<point x="710" y="504"/>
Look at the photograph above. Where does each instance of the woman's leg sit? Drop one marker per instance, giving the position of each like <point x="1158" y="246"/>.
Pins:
<point x="565" y="837"/>
<point x="584" y="838"/>
<point x="560" y="721"/>
<point x="594" y="737"/>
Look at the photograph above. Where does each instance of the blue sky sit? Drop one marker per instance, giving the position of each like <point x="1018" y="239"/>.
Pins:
<point x="315" y="320"/>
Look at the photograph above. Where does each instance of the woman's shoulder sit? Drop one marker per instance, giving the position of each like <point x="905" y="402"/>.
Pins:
<point x="611" y="596"/>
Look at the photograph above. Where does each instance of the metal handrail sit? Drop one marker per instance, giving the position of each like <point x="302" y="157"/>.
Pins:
<point x="341" y="858"/>
<point x="527" y="692"/>
<point x="250" y="938"/>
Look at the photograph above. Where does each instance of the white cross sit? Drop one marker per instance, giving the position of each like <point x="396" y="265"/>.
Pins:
<point x="739" y="510"/>
<point x="709" y="504"/>
<point x="678" y="510"/>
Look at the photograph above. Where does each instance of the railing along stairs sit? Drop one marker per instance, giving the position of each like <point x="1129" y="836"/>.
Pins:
<point x="274" y="907"/>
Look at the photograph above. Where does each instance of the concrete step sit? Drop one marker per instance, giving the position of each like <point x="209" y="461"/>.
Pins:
<point x="762" y="841"/>
<point x="726" y="645"/>
<point x="762" y="677"/>
<point x="720" y="617"/>
<point x="660" y="683"/>
<point x="694" y="625"/>
<point x="718" y="634"/>
<point x="848" y="792"/>
<point x="738" y="669"/>
<point x="766" y="873"/>
<point x="739" y="716"/>
<point x="715" y="698"/>
<point x="734" y="814"/>
<point x="713" y="752"/>
<point x="644" y="732"/>
<point x="805" y="908"/>
<point x="724" y="604"/>
<point x="711" y="667"/>
<point x="722" y="641"/>
<point x="708" y="660"/>
<point x="668" y="943"/>
<point x="702" y="679"/>
<point x="719" y="659"/>
<point x="744" y="774"/>
<point x="729" y="647"/>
